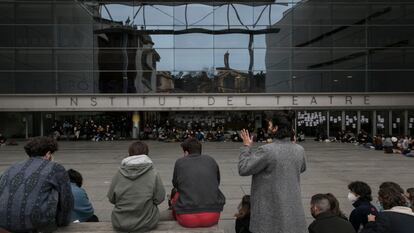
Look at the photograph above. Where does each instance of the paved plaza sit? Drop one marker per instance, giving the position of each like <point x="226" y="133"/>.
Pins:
<point x="331" y="166"/>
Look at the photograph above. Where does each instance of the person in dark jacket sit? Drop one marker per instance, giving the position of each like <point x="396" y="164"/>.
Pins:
<point x="325" y="220"/>
<point x="360" y="196"/>
<point x="198" y="201"/>
<point x="243" y="216"/>
<point x="335" y="209"/>
<point x="35" y="194"/>
<point x="396" y="217"/>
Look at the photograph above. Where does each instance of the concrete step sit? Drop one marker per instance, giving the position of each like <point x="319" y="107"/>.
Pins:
<point x="163" y="227"/>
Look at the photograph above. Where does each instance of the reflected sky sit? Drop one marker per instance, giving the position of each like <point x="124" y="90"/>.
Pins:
<point x="194" y="52"/>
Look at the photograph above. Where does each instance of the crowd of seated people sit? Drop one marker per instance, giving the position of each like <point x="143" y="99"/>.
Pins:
<point x="95" y="130"/>
<point x="178" y="134"/>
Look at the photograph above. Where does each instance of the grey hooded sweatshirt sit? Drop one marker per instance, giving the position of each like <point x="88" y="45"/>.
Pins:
<point x="136" y="190"/>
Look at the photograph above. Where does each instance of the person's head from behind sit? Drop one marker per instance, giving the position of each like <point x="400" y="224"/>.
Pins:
<point x="138" y="148"/>
<point x="359" y="191"/>
<point x="75" y="177"/>
<point x="334" y="203"/>
<point x="43" y="147"/>
<point x="389" y="198"/>
<point x="281" y="125"/>
<point x="392" y="185"/>
<point x="244" y="207"/>
<point x="410" y="196"/>
<point x="191" y="146"/>
<point x="319" y="204"/>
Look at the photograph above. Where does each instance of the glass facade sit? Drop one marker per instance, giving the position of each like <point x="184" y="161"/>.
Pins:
<point x="111" y="46"/>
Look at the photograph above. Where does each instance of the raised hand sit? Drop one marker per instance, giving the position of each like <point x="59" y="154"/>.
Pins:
<point x="247" y="139"/>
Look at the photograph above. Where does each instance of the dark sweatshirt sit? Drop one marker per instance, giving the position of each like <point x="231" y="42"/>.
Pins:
<point x="197" y="179"/>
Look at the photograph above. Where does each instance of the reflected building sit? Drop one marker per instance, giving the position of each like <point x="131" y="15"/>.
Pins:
<point x="351" y="46"/>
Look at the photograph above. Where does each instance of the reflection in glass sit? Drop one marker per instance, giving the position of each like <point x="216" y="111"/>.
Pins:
<point x="193" y="59"/>
<point x="270" y="46"/>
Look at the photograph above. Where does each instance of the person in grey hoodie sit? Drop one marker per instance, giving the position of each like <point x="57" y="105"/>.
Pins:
<point x="136" y="191"/>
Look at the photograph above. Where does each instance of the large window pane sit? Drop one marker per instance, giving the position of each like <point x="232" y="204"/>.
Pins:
<point x="34" y="59"/>
<point x="74" y="59"/>
<point x="391" y="58"/>
<point x="7" y="59"/>
<point x="75" y="82"/>
<point x="197" y="15"/>
<point x="34" y="13"/>
<point x="238" y="16"/>
<point x="193" y="59"/>
<point x="278" y="14"/>
<point x="312" y="36"/>
<point x="389" y="81"/>
<point x="155" y="15"/>
<point x="7" y="83"/>
<point x="398" y="123"/>
<point x="6" y="13"/>
<point x="71" y="13"/>
<point x="278" y="59"/>
<point x="382" y="122"/>
<point x="117" y="12"/>
<point x="75" y="35"/>
<point x="238" y="59"/>
<point x="349" y="14"/>
<point x="163" y="41"/>
<point x="193" y="40"/>
<point x="34" y="36"/>
<point x="231" y="41"/>
<point x="35" y="82"/>
<point x="305" y="14"/>
<point x="390" y="36"/>
<point x="392" y="13"/>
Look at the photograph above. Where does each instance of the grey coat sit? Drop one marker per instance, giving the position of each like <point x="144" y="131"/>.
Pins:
<point x="276" y="202"/>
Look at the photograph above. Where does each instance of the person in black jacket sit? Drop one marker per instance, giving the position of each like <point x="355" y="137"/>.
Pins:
<point x="335" y="209"/>
<point x="325" y="220"/>
<point x="198" y="201"/>
<point x="396" y="217"/>
<point x="360" y="196"/>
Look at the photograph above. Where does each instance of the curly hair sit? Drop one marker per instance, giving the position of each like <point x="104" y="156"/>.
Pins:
<point x="390" y="198"/>
<point x="39" y="146"/>
<point x="361" y="189"/>
<point x="391" y="185"/>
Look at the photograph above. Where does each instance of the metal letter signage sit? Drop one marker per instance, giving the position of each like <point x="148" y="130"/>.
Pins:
<point x="204" y="102"/>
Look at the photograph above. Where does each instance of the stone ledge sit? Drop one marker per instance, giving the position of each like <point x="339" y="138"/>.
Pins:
<point x="163" y="227"/>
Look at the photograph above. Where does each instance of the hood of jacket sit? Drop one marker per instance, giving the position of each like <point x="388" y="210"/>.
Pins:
<point x="401" y="210"/>
<point x="134" y="166"/>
